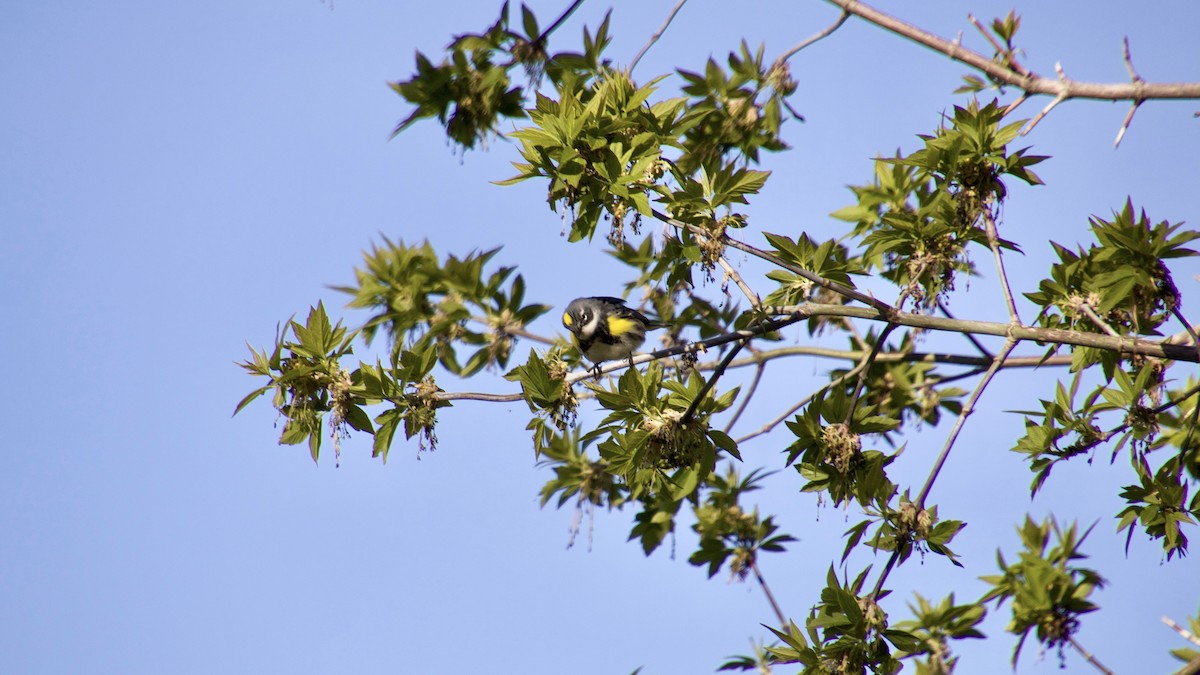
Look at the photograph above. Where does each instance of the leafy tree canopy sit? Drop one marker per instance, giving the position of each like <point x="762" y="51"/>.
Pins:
<point x="615" y="152"/>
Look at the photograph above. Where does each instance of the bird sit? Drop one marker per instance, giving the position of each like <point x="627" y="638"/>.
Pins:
<point x="605" y="329"/>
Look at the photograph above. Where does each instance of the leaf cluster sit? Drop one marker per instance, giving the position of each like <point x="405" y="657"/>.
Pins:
<point x="1048" y="592"/>
<point x="935" y="625"/>
<point x="925" y="208"/>
<point x="828" y="450"/>
<point x="471" y="90"/>
<point x="737" y="112"/>
<point x="305" y="373"/>
<point x="600" y="147"/>
<point x="1120" y="284"/>
<point x="846" y="632"/>
<point x="730" y="533"/>
<point x="427" y="303"/>
<point x="1159" y="502"/>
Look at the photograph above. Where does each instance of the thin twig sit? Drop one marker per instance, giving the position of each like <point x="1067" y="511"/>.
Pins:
<point x="1125" y="125"/>
<point x="866" y="366"/>
<point x="658" y="34"/>
<point x="1103" y="436"/>
<point x="692" y="347"/>
<point x="853" y="329"/>
<point x="1183" y="632"/>
<point x="712" y="382"/>
<point x="767" y="591"/>
<point x="1186" y="445"/>
<point x="1012" y="61"/>
<point x="541" y="39"/>
<point x="968" y="408"/>
<point x="783" y="58"/>
<point x="1089" y="657"/>
<point x="1129" y="61"/>
<point x="758" y="372"/>
<point x="1100" y="323"/>
<point x="1008" y="363"/>
<point x="970" y="338"/>
<point x="1014" y="105"/>
<point x="1045" y="111"/>
<point x="479" y="396"/>
<point x="1187" y="327"/>
<point x="887" y="569"/>
<point x="1137" y="81"/>
<point x="730" y="272"/>
<point x="516" y="332"/>
<point x="989" y="226"/>
<point x="766" y="428"/>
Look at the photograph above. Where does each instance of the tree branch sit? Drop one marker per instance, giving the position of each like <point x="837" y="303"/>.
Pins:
<point x="1011" y="59"/>
<point x="865" y="365"/>
<point x="989" y="226"/>
<point x="1089" y="657"/>
<point x="1136" y="79"/>
<point x="1031" y="83"/>
<point x="767" y="591"/>
<point x="712" y="382"/>
<point x="887" y="569"/>
<point x="1183" y="632"/>
<point x="1123" y="345"/>
<point x="783" y="58"/>
<point x="766" y="428"/>
<point x="762" y="356"/>
<point x="758" y="373"/>
<point x="1045" y="111"/>
<point x="1187" y="326"/>
<point x="968" y="408"/>
<point x="1166" y="349"/>
<point x="1101" y="323"/>
<point x="541" y="39"/>
<point x="657" y="34"/>
<point x="970" y="338"/>
<point x="776" y="260"/>
<point x="731" y="273"/>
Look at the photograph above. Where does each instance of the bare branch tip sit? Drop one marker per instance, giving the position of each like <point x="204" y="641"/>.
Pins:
<point x="1125" y="125"/>
<point x="783" y="58"/>
<point x="1062" y="96"/>
<point x="1137" y="79"/>
<point x="657" y="34"/>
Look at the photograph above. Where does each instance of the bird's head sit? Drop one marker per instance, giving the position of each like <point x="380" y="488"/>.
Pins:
<point x="580" y="317"/>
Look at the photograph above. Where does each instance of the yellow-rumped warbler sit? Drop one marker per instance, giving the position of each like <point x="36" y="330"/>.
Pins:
<point x="605" y="329"/>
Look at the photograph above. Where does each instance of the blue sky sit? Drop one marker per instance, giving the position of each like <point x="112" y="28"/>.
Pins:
<point x="176" y="178"/>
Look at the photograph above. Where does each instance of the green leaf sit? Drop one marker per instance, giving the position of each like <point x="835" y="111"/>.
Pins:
<point x="725" y="442"/>
<point x="530" y="22"/>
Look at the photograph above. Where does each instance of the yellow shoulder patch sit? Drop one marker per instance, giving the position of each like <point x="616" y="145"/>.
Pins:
<point x="619" y="325"/>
